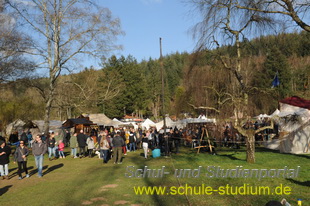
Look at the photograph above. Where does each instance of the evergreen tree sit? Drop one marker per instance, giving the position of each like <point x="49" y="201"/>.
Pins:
<point x="276" y="64"/>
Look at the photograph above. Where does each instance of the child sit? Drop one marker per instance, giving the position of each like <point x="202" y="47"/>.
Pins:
<point x="61" y="148"/>
<point x="5" y="152"/>
<point x="20" y="157"/>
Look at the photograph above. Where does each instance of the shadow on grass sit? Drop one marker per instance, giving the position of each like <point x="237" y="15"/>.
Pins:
<point x="231" y="156"/>
<point x="12" y="169"/>
<point x="52" y="168"/>
<point x="15" y="173"/>
<point x="190" y="155"/>
<point x="5" y="189"/>
<point x="263" y="149"/>
<point x="305" y="183"/>
<point x="32" y="172"/>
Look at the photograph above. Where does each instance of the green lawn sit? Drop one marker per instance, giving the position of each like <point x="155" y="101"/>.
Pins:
<point x="88" y="181"/>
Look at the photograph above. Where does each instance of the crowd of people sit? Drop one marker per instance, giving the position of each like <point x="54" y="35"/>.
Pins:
<point x="109" y="144"/>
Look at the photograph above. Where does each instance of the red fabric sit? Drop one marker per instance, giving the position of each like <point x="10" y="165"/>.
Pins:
<point x="297" y="101"/>
<point x="61" y="146"/>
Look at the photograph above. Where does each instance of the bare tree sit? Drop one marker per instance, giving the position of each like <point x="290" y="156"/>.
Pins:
<point x="223" y="22"/>
<point x="85" y="91"/>
<point x="66" y="31"/>
<point x="12" y="44"/>
<point x="297" y="10"/>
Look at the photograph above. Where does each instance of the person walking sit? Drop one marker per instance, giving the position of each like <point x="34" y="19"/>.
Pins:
<point x="118" y="143"/>
<point x="20" y="157"/>
<point x="39" y="148"/>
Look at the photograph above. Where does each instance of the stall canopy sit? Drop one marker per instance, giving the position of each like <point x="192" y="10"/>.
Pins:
<point x="295" y="125"/>
<point x="17" y="125"/>
<point x="102" y="120"/>
<point x="54" y="125"/>
<point x="148" y="123"/>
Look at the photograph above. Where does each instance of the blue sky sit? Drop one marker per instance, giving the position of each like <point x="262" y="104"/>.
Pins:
<point x="144" y="21"/>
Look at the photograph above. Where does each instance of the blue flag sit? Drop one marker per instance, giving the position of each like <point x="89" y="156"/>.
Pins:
<point x="276" y="81"/>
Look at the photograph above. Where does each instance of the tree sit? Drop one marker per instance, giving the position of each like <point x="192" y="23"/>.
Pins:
<point x="222" y="18"/>
<point x="297" y="10"/>
<point x="66" y="30"/>
<point x="130" y="77"/>
<point x="12" y="43"/>
<point x="276" y="64"/>
<point x="153" y="76"/>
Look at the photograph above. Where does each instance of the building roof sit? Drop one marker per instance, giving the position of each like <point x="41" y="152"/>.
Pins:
<point x="297" y="102"/>
<point x="72" y="122"/>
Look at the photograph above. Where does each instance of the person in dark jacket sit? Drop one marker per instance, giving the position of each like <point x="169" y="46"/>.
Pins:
<point x="176" y="139"/>
<point x="81" y="139"/>
<point x="20" y="157"/>
<point x="24" y="137"/>
<point x="118" y="143"/>
<point x="13" y="137"/>
<point x="39" y="148"/>
<point x="5" y="152"/>
<point x="51" y="147"/>
<point x="132" y="141"/>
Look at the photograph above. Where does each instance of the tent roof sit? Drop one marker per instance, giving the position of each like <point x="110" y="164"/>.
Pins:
<point x="296" y="101"/>
<point x="79" y="121"/>
<point x="53" y="124"/>
<point x="148" y="123"/>
<point x="275" y="113"/>
<point x="100" y="119"/>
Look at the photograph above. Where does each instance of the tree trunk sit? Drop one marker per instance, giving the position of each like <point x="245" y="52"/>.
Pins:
<point x="47" y="115"/>
<point x="48" y="107"/>
<point x="250" y="152"/>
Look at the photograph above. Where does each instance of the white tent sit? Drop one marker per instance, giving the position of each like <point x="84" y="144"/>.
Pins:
<point x="294" y="122"/>
<point x="275" y="113"/>
<point x="148" y="123"/>
<point x="180" y="124"/>
<point x="169" y="123"/>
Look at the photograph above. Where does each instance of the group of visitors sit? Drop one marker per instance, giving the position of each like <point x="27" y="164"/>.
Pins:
<point x="110" y="144"/>
<point x="21" y="153"/>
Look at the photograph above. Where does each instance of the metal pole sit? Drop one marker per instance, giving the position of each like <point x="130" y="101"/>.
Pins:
<point x="163" y="97"/>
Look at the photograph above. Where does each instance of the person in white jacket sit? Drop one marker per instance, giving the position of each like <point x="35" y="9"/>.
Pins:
<point x="90" y="146"/>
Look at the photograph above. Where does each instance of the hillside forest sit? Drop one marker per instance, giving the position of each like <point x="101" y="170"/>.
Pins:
<point x="193" y="84"/>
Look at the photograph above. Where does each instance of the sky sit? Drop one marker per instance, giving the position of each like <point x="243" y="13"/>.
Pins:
<point x="145" y="21"/>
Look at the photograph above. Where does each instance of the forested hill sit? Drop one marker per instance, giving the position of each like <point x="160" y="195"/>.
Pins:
<point x="125" y="86"/>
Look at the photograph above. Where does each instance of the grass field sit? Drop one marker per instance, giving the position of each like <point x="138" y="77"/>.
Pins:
<point x="88" y="181"/>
